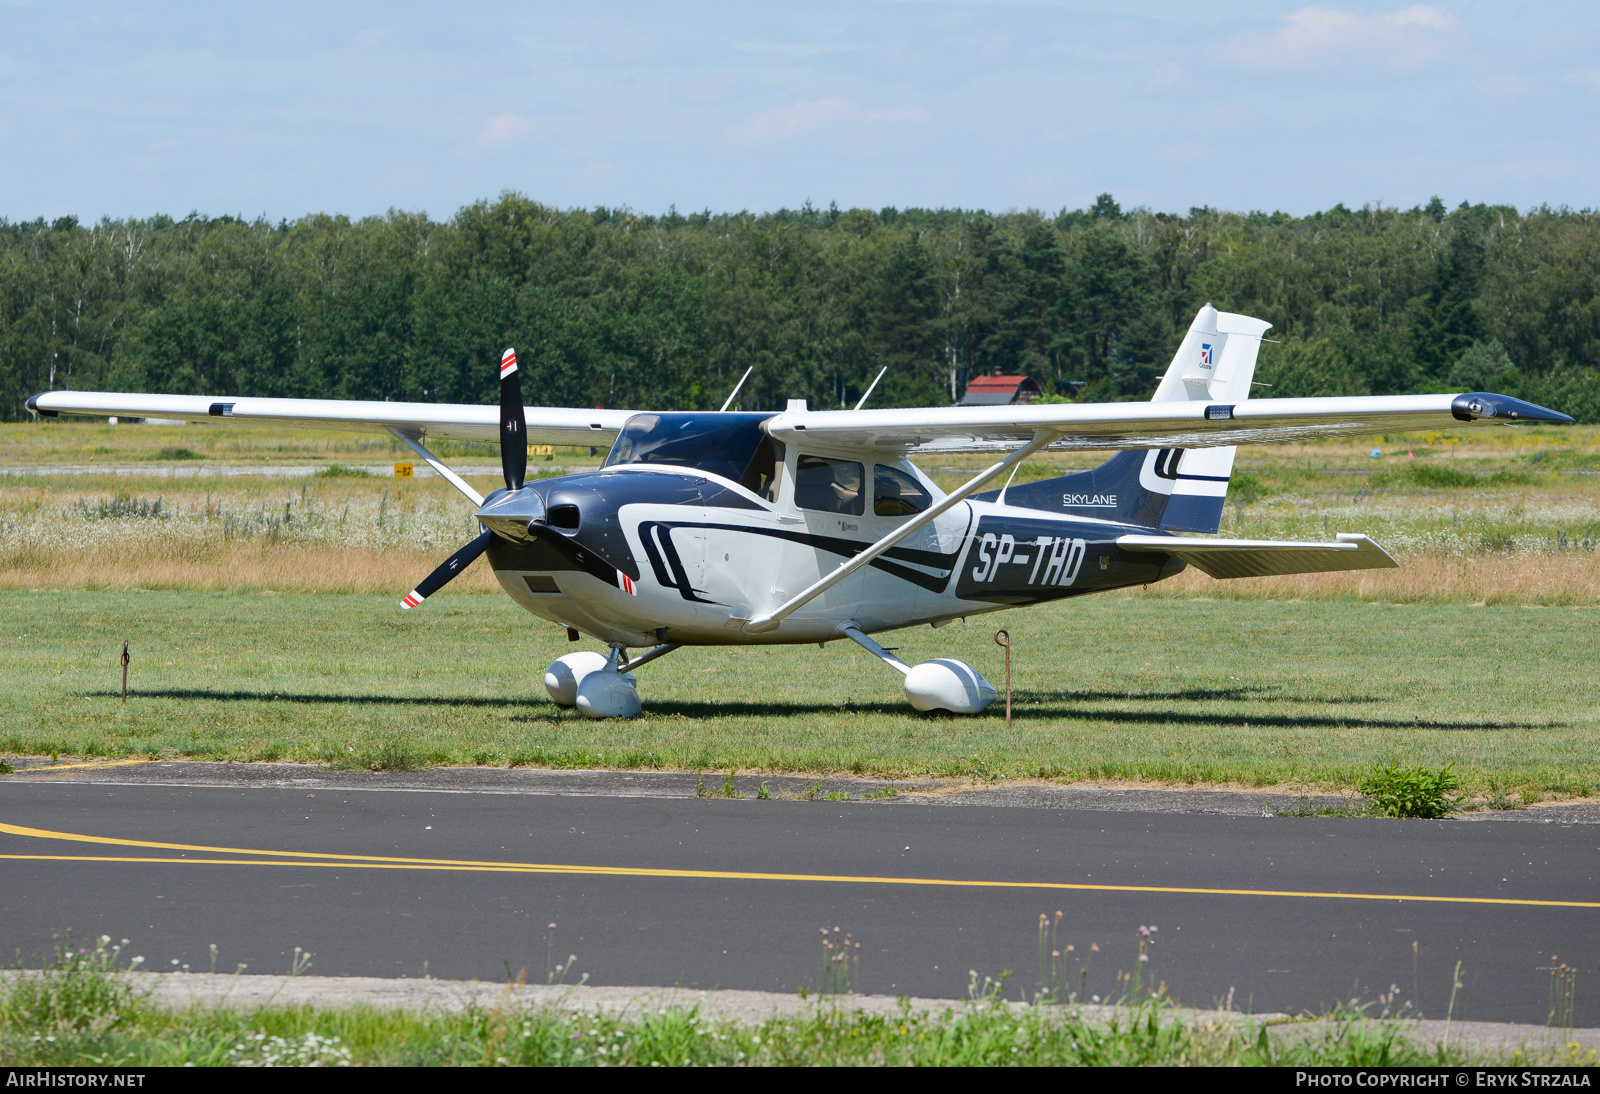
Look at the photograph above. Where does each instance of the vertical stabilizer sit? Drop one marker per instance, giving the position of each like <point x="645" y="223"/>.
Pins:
<point x="1174" y="489"/>
<point x="1215" y="364"/>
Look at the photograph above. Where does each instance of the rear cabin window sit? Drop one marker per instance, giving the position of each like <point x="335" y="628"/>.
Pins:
<point x="829" y="486"/>
<point x="897" y="494"/>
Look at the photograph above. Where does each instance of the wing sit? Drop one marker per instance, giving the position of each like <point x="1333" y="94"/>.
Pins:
<point x="1149" y="425"/>
<point x="1265" y="557"/>
<point x="457" y="421"/>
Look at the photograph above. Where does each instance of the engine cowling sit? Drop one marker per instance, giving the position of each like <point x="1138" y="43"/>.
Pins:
<point x="946" y="684"/>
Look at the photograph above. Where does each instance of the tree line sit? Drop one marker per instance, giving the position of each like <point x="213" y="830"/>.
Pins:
<point x="608" y="307"/>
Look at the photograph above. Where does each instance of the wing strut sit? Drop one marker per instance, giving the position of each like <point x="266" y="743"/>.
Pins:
<point x="763" y="623"/>
<point x="404" y="437"/>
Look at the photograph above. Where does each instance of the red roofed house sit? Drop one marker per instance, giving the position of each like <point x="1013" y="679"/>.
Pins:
<point x="1000" y="391"/>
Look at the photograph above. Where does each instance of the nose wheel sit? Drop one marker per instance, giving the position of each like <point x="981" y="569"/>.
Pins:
<point x="600" y="686"/>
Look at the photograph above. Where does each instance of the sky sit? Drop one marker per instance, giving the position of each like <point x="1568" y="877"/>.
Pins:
<point x="285" y="109"/>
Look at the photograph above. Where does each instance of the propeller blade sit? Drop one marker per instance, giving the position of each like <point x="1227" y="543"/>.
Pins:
<point x="442" y="576"/>
<point x="513" y="426"/>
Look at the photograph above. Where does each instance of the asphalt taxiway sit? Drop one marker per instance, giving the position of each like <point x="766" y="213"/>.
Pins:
<point x="460" y="874"/>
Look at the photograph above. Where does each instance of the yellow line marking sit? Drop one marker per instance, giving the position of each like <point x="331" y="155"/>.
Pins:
<point x="378" y="862"/>
<point x="78" y="767"/>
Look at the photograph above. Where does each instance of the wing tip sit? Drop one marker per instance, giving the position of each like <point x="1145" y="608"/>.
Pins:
<point x="1477" y="405"/>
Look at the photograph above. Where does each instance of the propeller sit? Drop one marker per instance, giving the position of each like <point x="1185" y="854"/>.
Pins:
<point x="452" y="566"/>
<point x="513" y="426"/>
<point x="514" y="465"/>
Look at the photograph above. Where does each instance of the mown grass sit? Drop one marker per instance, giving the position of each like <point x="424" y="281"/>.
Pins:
<point x="82" y="1009"/>
<point x="1248" y="692"/>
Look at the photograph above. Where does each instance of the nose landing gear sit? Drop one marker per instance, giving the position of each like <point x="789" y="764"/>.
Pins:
<point x="594" y="684"/>
<point x="600" y="686"/>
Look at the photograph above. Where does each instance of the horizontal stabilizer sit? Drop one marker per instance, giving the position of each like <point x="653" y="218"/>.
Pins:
<point x="1224" y="558"/>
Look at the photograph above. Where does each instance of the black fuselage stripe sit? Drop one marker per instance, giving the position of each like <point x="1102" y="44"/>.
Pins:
<point x="847" y="548"/>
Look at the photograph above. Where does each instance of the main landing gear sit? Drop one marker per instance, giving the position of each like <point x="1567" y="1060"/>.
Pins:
<point x="940" y="684"/>
<point x="605" y="687"/>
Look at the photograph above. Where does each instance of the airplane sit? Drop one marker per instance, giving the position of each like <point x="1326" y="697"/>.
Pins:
<point x="737" y="528"/>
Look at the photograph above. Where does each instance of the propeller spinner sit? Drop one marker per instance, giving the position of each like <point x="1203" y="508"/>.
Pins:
<point x="513" y="464"/>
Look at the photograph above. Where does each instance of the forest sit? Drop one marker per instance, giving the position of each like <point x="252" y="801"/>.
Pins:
<point x="609" y="307"/>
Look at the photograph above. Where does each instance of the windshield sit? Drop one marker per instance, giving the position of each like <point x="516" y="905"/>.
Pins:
<point x="722" y="444"/>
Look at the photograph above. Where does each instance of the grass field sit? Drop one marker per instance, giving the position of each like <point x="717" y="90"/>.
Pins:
<point x="262" y="613"/>
<point x="1255" y="692"/>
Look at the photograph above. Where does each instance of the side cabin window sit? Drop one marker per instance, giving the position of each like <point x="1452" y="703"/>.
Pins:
<point x="829" y="486"/>
<point x="897" y="494"/>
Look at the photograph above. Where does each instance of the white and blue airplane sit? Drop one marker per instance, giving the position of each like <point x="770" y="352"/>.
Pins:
<point x="718" y="528"/>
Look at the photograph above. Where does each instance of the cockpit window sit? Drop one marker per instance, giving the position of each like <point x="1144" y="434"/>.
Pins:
<point x="722" y="444"/>
<point x="761" y="476"/>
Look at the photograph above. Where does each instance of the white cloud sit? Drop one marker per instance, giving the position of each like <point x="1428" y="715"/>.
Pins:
<point x="1313" y="37"/>
<point x="1505" y="85"/>
<point x="502" y="131"/>
<point x="1186" y="152"/>
<point x="1166" y="76"/>
<point x="597" y="172"/>
<point x="790" y="49"/>
<point x="834" y="119"/>
<point x="1589" y="78"/>
<point x="714" y="85"/>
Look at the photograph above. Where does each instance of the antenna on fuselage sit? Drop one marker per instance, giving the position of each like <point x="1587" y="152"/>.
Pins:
<point x="872" y="387"/>
<point x="734" y="394"/>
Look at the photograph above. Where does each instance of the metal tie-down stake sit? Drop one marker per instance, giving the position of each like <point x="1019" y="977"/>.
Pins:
<point x="124" y="670"/>
<point x="1006" y="642"/>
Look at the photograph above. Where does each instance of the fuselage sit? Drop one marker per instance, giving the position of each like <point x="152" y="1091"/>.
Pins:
<point x="637" y="555"/>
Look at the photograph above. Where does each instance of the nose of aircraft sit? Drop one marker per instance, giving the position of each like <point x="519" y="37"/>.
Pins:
<point x="513" y="514"/>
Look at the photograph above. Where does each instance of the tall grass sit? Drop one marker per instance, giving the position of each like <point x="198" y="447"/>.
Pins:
<point x="349" y="534"/>
<point x="82" y="1008"/>
<point x="1556" y="578"/>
